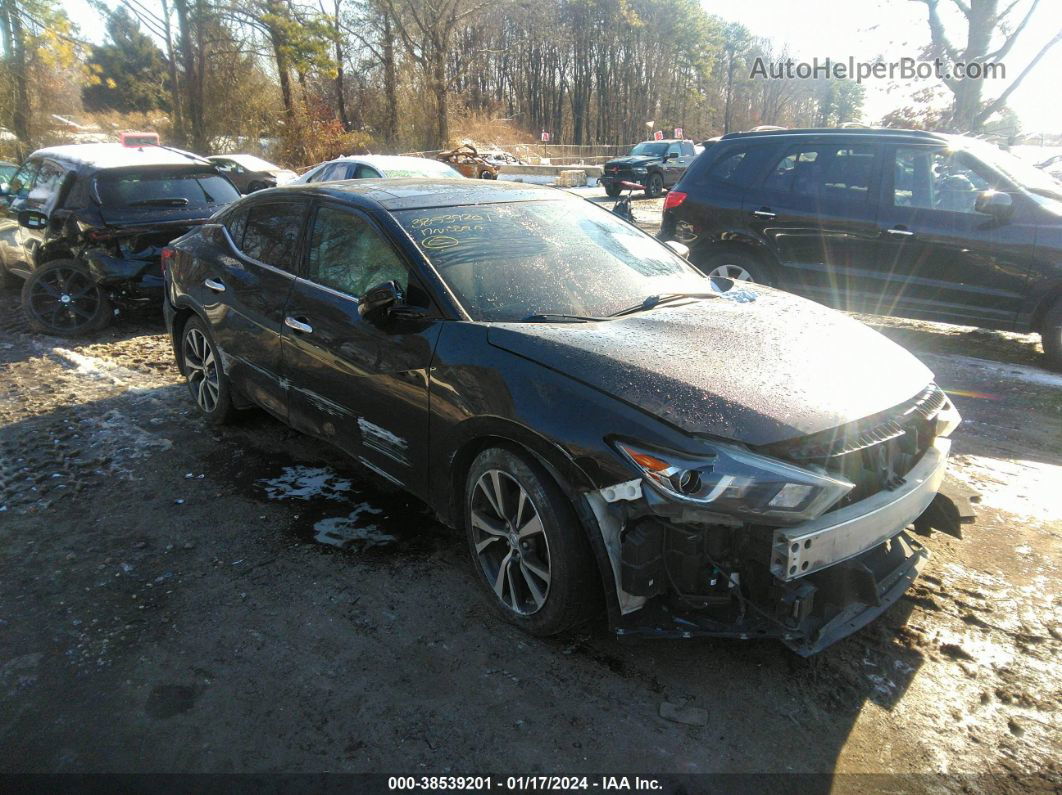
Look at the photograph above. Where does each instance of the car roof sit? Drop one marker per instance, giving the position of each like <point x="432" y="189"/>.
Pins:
<point x="384" y="161"/>
<point x="665" y="141"/>
<point x="113" y="155"/>
<point x="415" y="193"/>
<point x="850" y="132"/>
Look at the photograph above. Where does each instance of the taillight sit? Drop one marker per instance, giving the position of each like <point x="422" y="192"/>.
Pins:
<point x="673" y="199"/>
<point x="168" y="255"/>
<point x="99" y="235"/>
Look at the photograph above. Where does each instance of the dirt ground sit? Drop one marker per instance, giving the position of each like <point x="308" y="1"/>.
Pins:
<point x="176" y="597"/>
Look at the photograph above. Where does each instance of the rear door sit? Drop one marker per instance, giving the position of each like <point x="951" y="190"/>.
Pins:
<point x="676" y="166"/>
<point x="940" y="258"/>
<point x="817" y="209"/>
<point x="361" y="385"/>
<point x="245" y="290"/>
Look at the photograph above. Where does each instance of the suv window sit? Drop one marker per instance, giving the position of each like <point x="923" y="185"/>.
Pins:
<point x="164" y="188"/>
<point x="22" y="181"/>
<point x="687" y="148"/>
<point x="740" y="167"/>
<point x="348" y="254"/>
<point x="271" y="233"/>
<point x="366" y="172"/>
<point x="331" y="172"/>
<point x="46" y="187"/>
<point x="675" y="149"/>
<point x="825" y="171"/>
<point x="937" y="179"/>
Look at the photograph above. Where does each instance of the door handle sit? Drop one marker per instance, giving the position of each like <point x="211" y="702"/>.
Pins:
<point x="765" y="214"/>
<point x="215" y="285"/>
<point x="899" y="232"/>
<point x="298" y="325"/>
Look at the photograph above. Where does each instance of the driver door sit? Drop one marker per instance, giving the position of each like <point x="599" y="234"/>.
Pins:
<point x="358" y="384"/>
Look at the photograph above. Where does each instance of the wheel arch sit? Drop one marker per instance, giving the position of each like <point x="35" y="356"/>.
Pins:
<point x="566" y="473"/>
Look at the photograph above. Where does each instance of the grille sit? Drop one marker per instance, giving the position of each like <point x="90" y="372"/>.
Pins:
<point x="874" y="453"/>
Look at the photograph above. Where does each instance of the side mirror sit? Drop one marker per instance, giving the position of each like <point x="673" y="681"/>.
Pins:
<point x="32" y="219"/>
<point x="377" y="302"/>
<point x="995" y="203"/>
<point x="672" y="156"/>
<point x="679" y="248"/>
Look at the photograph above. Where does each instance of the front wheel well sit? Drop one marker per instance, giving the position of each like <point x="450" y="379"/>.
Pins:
<point x="180" y="320"/>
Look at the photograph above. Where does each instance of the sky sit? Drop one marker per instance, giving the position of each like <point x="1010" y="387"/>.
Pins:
<point x="863" y="29"/>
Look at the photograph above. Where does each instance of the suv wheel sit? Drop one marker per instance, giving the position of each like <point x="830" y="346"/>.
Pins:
<point x="654" y="186"/>
<point x="1051" y="335"/>
<point x="486" y="174"/>
<point x="612" y="190"/>
<point x="206" y="378"/>
<point x="738" y="266"/>
<point x="527" y="547"/>
<point x="62" y="298"/>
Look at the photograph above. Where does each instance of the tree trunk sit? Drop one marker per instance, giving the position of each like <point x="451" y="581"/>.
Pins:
<point x="390" y="82"/>
<point x="193" y="84"/>
<point x="439" y="88"/>
<point x="341" y="99"/>
<point x="15" y="45"/>
<point x="177" y="125"/>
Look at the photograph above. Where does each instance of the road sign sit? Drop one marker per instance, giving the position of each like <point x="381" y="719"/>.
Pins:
<point x="658" y="135"/>
<point x="545" y="137"/>
<point x="678" y="132"/>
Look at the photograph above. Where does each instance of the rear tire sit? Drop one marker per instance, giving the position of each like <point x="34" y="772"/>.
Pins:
<point x="738" y="266"/>
<point x="1051" y="336"/>
<point x="202" y="367"/>
<point x="654" y="186"/>
<point x="529" y="551"/>
<point x="485" y="174"/>
<point x="62" y="298"/>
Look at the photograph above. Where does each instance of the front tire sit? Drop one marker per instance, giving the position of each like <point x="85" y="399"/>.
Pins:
<point x="485" y="174"/>
<point x="1051" y="335"/>
<point x="62" y="298"/>
<point x="655" y="186"/>
<point x="528" y="548"/>
<point x="202" y="367"/>
<point x="612" y="191"/>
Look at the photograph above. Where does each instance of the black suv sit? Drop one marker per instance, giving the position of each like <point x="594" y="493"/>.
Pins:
<point x="918" y="224"/>
<point x="655" y="164"/>
<point x="85" y="225"/>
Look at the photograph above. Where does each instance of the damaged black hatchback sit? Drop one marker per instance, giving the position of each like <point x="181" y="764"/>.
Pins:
<point x="600" y="418"/>
<point x="84" y="226"/>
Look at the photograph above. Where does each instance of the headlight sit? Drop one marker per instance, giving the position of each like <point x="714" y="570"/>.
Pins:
<point x="735" y="481"/>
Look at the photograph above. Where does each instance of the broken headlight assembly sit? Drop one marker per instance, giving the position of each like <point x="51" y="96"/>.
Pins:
<point x="734" y="481"/>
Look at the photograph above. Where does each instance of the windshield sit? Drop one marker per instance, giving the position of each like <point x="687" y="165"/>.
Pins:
<point x="650" y="149"/>
<point x="508" y="262"/>
<point x="429" y="168"/>
<point x="164" y="189"/>
<point x="1018" y="171"/>
<point x="252" y="163"/>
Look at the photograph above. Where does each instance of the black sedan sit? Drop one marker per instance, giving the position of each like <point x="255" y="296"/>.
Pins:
<point x="598" y="417"/>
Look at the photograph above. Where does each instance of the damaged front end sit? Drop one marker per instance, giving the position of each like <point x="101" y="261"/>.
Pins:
<point x="805" y="541"/>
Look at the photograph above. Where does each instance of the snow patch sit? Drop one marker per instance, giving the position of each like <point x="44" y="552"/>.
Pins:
<point x="344" y="531"/>
<point x="1011" y="372"/>
<point x="306" y="483"/>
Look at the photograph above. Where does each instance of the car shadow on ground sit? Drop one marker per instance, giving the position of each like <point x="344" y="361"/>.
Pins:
<point x="192" y="541"/>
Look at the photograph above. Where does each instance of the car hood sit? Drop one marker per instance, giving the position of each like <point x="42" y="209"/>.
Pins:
<point x="757" y="366"/>
<point x="632" y="160"/>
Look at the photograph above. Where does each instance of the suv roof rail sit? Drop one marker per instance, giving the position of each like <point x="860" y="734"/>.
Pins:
<point x="839" y="131"/>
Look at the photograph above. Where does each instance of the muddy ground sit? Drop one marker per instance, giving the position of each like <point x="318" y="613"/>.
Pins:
<point x="176" y="597"/>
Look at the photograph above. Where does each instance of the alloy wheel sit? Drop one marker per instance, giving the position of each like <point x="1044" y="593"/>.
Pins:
<point x="734" y="272"/>
<point x="510" y="542"/>
<point x="66" y="299"/>
<point x="202" y="367"/>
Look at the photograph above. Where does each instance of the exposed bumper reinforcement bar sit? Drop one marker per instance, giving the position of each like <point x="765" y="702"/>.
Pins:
<point x="850" y="531"/>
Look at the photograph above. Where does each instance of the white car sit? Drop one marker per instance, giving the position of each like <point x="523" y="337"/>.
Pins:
<point x="378" y="166"/>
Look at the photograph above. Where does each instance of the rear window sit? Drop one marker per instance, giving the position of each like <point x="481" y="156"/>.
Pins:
<point x="156" y="188"/>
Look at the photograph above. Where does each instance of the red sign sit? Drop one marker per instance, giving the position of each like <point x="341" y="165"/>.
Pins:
<point x="545" y="137"/>
<point x="658" y="135"/>
<point x="678" y="132"/>
<point x="138" y="139"/>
